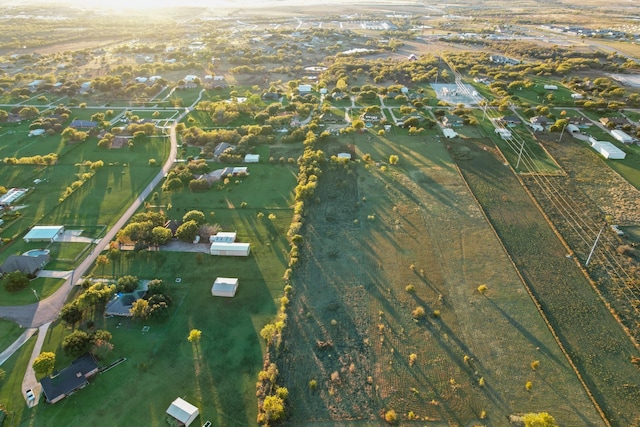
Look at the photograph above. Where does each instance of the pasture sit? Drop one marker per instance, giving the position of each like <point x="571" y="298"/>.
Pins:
<point x="387" y="314"/>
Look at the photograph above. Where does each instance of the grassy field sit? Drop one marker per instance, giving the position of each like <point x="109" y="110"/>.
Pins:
<point x="353" y="326"/>
<point x="594" y="340"/>
<point x="11" y="397"/>
<point x="219" y="374"/>
<point x="9" y="332"/>
<point x="44" y="286"/>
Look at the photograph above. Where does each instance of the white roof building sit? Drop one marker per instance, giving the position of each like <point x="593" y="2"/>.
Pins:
<point x="449" y="133"/>
<point x="621" y="136"/>
<point x="344" y="156"/>
<point x="304" y="88"/>
<point x="44" y="233"/>
<point x="223" y="236"/>
<point x="229" y="249"/>
<point x="224" y="287"/>
<point x="252" y="158"/>
<point x="183" y="411"/>
<point x="607" y="149"/>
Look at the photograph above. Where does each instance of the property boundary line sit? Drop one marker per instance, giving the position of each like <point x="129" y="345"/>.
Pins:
<point x="535" y="300"/>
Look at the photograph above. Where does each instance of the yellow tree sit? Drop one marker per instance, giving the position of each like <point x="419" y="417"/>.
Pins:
<point x="194" y="336"/>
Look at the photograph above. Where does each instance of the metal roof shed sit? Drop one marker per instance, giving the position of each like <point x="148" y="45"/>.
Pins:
<point x="224" y="287"/>
<point x="44" y="233"/>
<point x="183" y="411"/>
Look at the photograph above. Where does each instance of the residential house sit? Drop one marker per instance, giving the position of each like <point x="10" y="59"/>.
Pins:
<point x="452" y="120"/>
<point x="510" y="120"/>
<point x="72" y="378"/>
<point x="83" y="124"/>
<point x="331" y="117"/>
<point x="541" y="120"/>
<point x="24" y="263"/>
<point x="221" y="148"/>
<point x="614" y="122"/>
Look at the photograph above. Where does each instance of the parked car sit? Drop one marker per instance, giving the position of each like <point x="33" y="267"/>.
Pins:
<point x="207" y="424"/>
<point x="30" y="395"/>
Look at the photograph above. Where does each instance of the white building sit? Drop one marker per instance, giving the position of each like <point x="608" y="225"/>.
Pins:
<point x="504" y="133"/>
<point x="224" y="287"/>
<point x="223" y="236"/>
<point x="252" y="158"/>
<point x="551" y="87"/>
<point x="607" y="149"/>
<point x="229" y="249"/>
<point x="449" y="133"/>
<point x="44" y="233"/>
<point x="621" y="136"/>
<point x="183" y="411"/>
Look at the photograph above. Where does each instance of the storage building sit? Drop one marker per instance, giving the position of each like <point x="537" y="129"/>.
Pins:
<point x="230" y="249"/>
<point x="224" y="287"/>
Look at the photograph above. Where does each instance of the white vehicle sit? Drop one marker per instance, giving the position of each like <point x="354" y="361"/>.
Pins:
<point x="30" y="395"/>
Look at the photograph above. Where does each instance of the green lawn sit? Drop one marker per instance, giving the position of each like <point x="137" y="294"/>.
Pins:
<point x="44" y="286"/>
<point x="9" y="332"/>
<point x="219" y="374"/>
<point x="11" y="397"/>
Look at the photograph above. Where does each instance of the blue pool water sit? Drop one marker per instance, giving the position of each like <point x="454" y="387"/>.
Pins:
<point x="36" y="252"/>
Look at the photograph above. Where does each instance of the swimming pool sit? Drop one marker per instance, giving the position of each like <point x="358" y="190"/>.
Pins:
<point x="36" y="252"/>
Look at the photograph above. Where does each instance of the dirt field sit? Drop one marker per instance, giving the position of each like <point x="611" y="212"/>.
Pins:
<point x="353" y="327"/>
<point x="594" y="340"/>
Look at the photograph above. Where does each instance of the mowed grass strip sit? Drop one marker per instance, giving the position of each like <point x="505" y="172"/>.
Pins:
<point x="594" y="340"/>
<point x="9" y="332"/>
<point x="384" y="241"/>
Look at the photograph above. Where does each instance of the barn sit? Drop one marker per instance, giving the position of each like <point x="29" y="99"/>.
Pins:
<point x="621" y="136"/>
<point x="224" y="287"/>
<point x="229" y="249"/>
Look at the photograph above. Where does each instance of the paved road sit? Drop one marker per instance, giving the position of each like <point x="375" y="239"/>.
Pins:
<point x="47" y="310"/>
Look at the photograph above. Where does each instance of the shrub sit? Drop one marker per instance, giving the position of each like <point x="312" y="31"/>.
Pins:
<point x="390" y="416"/>
<point x="418" y="313"/>
<point x="482" y="289"/>
<point x="313" y="384"/>
<point x="535" y="364"/>
<point x="15" y="281"/>
<point x="127" y="284"/>
<point x="410" y="288"/>
<point x="412" y="359"/>
<point x="528" y="385"/>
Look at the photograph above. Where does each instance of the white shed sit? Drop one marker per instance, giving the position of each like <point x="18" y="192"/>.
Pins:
<point x="449" y="133"/>
<point x="621" y="136"/>
<point x="230" y="249"/>
<point x="223" y="236"/>
<point x="183" y="411"/>
<point x="224" y="287"/>
<point x="344" y="156"/>
<point x="573" y="129"/>
<point x="551" y="87"/>
<point x="504" y="133"/>
<point x="252" y="158"/>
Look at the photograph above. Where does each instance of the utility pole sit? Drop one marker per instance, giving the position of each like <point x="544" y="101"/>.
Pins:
<point x="520" y="154"/>
<point x="593" y="248"/>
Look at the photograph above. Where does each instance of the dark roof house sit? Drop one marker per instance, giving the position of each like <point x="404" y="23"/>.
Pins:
<point x="24" y="263"/>
<point x="83" y="124"/>
<point x="70" y="379"/>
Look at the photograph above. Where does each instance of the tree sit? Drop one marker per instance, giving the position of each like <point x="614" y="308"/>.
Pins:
<point x="71" y="313"/>
<point x="156" y="286"/>
<point x="541" y="419"/>
<point x="187" y="231"/>
<point x="102" y="261"/>
<point x="77" y="343"/>
<point x="101" y="348"/>
<point x="44" y="364"/>
<point x="273" y="407"/>
<point x="15" y="281"/>
<point x="393" y="159"/>
<point x="140" y="309"/>
<point x="194" y="215"/>
<point x="127" y="284"/>
<point x="160" y="236"/>
<point x="194" y="336"/>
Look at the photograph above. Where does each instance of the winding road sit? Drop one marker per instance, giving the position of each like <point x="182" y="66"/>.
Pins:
<point x="40" y="315"/>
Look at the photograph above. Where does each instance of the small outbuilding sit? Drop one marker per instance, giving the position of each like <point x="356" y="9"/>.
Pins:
<point x="504" y="133"/>
<point x="449" y="133"/>
<point x="183" y="412"/>
<point x="223" y="236"/>
<point x="252" y="158"/>
<point x="224" y="287"/>
<point x="344" y="156"/>
<point x="44" y="233"/>
<point x="607" y="149"/>
<point x="229" y="249"/>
